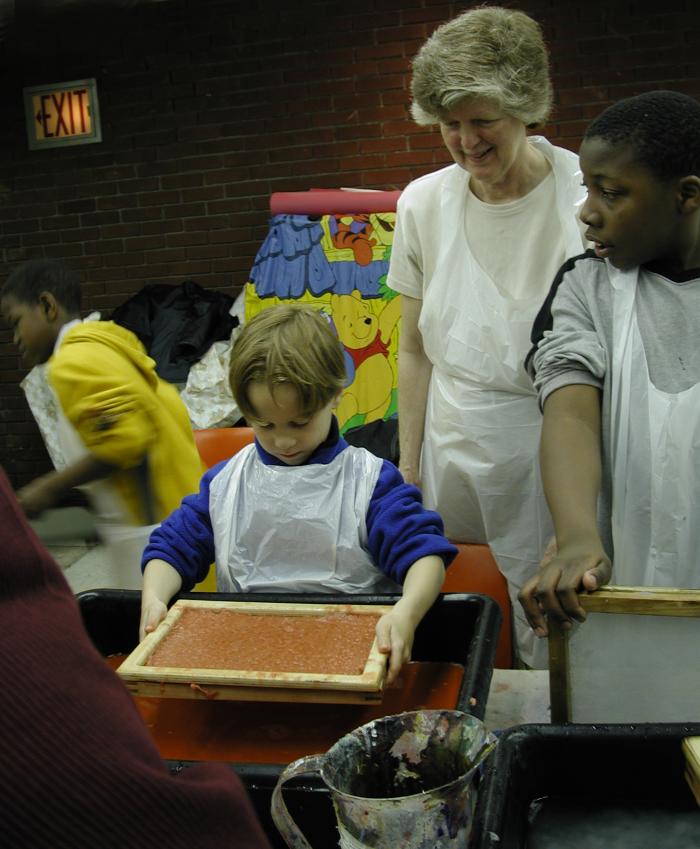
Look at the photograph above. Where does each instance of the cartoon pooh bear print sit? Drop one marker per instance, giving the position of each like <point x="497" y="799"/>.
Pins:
<point x="365" y="335"/>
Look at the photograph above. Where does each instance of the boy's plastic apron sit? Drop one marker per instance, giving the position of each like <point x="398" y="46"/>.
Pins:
<point x="479" y="465"/>
<point x="124" y="542"/>
<point x="320" y="534"/>
<point x="655" y="449"/>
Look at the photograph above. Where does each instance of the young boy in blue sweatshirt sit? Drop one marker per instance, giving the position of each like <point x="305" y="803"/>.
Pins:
<point x="300" y="510"/>
<point x="616" y="363"/>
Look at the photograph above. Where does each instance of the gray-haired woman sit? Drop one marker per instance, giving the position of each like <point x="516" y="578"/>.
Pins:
<point x="475" y="251"/>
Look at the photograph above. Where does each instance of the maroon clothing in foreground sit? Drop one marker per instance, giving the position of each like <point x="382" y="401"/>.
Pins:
<point x="78" y="766"/>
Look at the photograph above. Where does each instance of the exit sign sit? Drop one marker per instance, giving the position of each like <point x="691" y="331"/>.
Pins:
<point x="62" y="114"/>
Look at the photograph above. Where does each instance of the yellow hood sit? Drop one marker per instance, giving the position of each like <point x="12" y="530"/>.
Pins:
<point x="121" y="340"/>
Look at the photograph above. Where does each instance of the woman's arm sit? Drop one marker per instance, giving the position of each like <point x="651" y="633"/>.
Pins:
<point x="415" y="370"/>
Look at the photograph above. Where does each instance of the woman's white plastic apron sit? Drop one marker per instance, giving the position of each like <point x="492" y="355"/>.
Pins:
<point x="480" y="466"/>
<point x="655" y="448"/>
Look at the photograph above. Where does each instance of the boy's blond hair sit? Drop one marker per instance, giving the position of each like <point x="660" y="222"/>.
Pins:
<point x="291" y="345"/>
<point x="490" y="52"/>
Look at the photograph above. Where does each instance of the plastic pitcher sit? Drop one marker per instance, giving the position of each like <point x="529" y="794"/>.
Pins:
<point x="399" y="782"/>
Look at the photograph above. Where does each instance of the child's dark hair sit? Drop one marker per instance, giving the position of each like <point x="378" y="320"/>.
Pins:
<point x="662" y="126"/>
<point x="26" y="283"/>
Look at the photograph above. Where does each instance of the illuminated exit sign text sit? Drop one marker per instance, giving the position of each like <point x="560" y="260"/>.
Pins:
<point x="62" y="114"/>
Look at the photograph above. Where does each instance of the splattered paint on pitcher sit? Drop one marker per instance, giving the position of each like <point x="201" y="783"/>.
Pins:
<point x="400" y="782"/>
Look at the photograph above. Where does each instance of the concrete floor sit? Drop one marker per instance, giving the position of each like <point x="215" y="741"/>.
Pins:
<point x="69" y="534"/>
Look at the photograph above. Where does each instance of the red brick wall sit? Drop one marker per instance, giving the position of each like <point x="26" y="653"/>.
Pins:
<point x="209" y="106"/>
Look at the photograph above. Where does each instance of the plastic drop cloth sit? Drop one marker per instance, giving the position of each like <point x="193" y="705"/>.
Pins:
<point x="45" y="408"/>
<point x="207" y="394"/>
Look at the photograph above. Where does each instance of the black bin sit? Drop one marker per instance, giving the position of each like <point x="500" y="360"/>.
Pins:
<point x="576" y="773"/>
<point x="459" y="628"/>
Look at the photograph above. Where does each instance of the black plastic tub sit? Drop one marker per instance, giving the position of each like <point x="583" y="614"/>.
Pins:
<point x="459" y="628"/>
<point x="590" y="781"/>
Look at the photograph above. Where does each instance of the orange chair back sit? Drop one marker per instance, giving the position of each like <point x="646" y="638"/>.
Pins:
<point x="474" y="570"/>
<point x="219" y="443"/>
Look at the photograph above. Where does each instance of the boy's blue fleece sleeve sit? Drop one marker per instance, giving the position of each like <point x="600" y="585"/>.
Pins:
<point x="185" y="539"/>
<point x="399" y="529"/>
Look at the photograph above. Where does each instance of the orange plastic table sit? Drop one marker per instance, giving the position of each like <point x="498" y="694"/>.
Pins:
<point x="278" y="733"/>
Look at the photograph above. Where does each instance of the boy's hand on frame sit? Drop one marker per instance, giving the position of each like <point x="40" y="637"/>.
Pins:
<point x="152" y="614"/>
<point x="160" y="583"/>
<point x="396" y="629"/>
<point x="395" y="638"/>
<point x="554" y="591"/>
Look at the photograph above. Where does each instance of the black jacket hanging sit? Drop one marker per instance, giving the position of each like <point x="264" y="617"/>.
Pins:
<point x="177" y="324"/>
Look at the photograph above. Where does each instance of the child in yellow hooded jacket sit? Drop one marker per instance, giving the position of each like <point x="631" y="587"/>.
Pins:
<point x="124" y="432"/>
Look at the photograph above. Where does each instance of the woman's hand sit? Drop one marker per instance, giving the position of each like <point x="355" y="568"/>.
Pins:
<point x="414" y="369"/>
